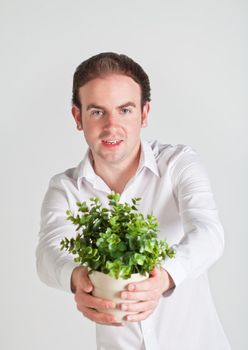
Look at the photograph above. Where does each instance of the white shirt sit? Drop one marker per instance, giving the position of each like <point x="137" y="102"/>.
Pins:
<point x="173" y="186"/>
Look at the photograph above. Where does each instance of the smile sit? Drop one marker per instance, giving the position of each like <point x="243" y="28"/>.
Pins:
<point x="112" y="142"/>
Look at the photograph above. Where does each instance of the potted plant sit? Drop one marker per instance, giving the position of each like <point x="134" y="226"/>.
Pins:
<point x="119" y="245"/>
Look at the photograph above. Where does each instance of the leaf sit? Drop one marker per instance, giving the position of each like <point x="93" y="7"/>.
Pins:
<point x="118" y="240"/>
<point x="97" y="224"/>
<point x="77" y="245"/>
<point x="139" y="258"/>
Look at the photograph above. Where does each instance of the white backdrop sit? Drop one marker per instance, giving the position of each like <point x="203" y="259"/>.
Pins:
<point x="196" y="55"/>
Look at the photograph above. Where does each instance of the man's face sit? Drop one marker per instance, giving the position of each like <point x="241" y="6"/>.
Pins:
<point x="111" y="118"/>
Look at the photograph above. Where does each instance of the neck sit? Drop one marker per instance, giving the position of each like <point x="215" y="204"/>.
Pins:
<point x="117" y="175"/>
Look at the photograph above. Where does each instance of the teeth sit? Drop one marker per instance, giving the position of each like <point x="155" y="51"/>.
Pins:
<point x="111" y="142"/>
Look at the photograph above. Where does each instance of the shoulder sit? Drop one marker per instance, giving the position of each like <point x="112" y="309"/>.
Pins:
<point x="176" y="160"/>
<point x="171" y="154"/>
<point x="67" y="177"/>
<point x="60" y="189"/>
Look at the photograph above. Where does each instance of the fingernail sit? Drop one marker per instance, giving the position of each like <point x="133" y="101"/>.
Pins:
<point x="131" y="287"/>
<point x="124" y="296"/>
<point x="124" y="307"/>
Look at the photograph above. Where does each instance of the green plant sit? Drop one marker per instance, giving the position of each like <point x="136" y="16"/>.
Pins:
<point x="118" y="240"/>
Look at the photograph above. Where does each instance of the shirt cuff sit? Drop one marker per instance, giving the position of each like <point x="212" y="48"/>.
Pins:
<point x="176" y="270"/>
<point x="65" y="275"/>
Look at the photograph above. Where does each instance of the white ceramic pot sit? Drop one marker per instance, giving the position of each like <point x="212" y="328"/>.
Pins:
<point x="107" y="287"/>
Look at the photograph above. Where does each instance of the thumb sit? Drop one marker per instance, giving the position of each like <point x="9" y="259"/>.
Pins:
<point x="80" y="280"/>
<point x="87" y="285"/>
<point x="154" y="272"/>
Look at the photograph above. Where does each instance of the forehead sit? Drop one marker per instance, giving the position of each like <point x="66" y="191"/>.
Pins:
<point x="111" y="88"/>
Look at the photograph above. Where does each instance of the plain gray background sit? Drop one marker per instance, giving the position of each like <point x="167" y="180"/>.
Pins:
<point x="195" y="53"/>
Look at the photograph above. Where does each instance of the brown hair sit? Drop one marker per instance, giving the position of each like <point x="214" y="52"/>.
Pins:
<point x="106" y="63"/>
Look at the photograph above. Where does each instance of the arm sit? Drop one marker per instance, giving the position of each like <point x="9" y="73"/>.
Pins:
<point x="203" y="240"/>
<point x="54" y="267"/>
<point x="57" y="268"/>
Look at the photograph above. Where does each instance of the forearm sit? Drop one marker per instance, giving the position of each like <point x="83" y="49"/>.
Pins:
<point x="203" y="240"/>
<point x="53" y="267"/>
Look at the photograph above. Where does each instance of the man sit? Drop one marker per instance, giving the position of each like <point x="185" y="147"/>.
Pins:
<point x="174" y="308"/>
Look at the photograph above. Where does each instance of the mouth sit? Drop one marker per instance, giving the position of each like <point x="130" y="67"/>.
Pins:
<point x="111" y="143"/>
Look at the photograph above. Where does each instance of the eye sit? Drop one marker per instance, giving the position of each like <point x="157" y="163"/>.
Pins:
<point x="96" y="113"/>
<point x="126" y="110"/>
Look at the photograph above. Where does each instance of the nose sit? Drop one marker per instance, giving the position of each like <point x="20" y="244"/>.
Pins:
<point x="111" y="120"/>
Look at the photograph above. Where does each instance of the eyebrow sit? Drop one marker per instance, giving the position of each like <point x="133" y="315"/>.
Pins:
<point x="93" y="105"/>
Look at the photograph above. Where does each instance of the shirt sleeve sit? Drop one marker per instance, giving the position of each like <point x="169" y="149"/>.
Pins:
<point x="54" y="267"/>
<point x="203" y="240"/>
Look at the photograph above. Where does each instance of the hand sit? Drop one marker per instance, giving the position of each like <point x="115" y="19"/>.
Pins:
<point x="148" y="293"/>
<point x="87" y="303"/>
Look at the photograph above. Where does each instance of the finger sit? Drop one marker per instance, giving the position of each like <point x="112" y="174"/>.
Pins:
<point x="88" y="300"/>
<point x="100" y="317"/>
<point x="84" y="281"/>
<point x="117" y="324"/>
<point x="138" y="317"/>
<point x="80" y="280"/>
<point x="139" y="307"/>
<point x="141" y="286"/>
<point x="142" y="296"/>
<point x="142" y="306"/>
<point x="155" y="272"/>
<point x="148" y="284"/>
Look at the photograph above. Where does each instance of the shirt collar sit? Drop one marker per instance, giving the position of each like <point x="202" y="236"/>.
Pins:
<point x="85" y="168"/>
<point x="147" y="160"/>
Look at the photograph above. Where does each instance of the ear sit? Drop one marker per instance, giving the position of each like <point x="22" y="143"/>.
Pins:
<point x="76" y="112"/>
<point x="144" y="115"/>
